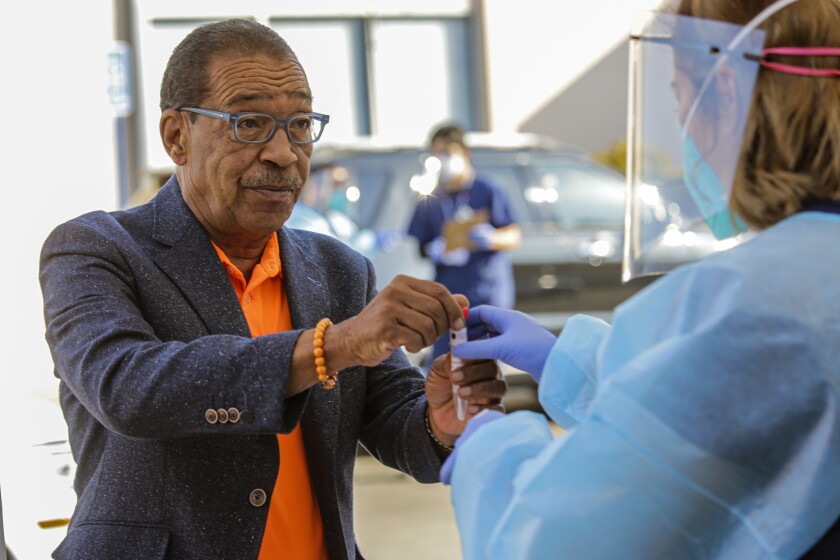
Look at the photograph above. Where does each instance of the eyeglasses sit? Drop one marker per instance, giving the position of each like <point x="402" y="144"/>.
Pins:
<point x="259" y="128"/>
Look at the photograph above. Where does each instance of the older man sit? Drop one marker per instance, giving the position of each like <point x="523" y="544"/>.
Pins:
<point x="204" y="409"/>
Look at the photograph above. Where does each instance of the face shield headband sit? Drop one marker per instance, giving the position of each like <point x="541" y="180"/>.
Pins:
<point x="800" y="70"/>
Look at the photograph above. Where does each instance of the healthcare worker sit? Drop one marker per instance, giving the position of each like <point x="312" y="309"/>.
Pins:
<point x="465" y="227"/>
<point x="705" y="422"/>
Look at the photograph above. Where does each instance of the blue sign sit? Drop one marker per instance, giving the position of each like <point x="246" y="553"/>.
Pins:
<point x="119" y="79"/>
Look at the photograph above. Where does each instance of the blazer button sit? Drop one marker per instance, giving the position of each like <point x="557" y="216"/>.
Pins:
<point x="223" y="416"/>
<point x="257" y="497"/>
<point x="246" y="416"/>
<point x="211" y="416"/>
<point x="233" y="415"/>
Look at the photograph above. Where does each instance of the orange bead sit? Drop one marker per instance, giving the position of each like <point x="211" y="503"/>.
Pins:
<point x="319" y="352"/>
<point x="320" y="362"/>
<point x="319" y="343"/>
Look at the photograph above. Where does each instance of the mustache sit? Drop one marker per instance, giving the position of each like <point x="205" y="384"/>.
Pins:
<point x="275" y="178"/>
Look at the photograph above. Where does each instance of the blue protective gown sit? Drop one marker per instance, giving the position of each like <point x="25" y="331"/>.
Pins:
<point x="703" y="424"/>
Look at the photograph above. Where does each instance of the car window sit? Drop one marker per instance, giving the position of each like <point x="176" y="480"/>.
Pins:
<point x="362" y="202"/>
<point x="346" y="188"/>
<point x="576" y="195"/>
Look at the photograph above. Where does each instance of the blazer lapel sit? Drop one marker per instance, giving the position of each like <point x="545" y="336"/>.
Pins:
<point x="193" y="265"/>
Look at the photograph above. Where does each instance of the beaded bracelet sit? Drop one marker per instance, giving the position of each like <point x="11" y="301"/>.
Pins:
<point x="432" y="435"/>
<point x="327" y="381"/>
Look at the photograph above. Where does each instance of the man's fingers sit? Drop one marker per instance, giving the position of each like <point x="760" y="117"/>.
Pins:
<point x="473" y="409"/>
<point x="478" y="370"/>
<point x="414" y="327"/>
<point x="422" y="296"/>
<point x="413" y="340"/>
<point x="463" y="303"/>
<point x="492" y="389"/>
<point x="451" y="307"/>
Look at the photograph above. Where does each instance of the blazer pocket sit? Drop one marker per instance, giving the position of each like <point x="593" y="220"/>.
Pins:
<point x="96" y="541"/>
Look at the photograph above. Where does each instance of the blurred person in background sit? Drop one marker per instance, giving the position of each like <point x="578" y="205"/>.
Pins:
<point x="464" y="227"/>
<point x="704" y="422"/>
<point x="213" y="408"/>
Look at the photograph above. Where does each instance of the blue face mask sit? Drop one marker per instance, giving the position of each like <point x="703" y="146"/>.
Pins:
<point x="707" y="192"/>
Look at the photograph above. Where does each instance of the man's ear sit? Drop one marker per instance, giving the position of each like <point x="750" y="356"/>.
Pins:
<point x="175" y="135"/>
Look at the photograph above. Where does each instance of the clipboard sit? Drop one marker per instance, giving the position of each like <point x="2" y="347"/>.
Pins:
<point x="457" y="232"/>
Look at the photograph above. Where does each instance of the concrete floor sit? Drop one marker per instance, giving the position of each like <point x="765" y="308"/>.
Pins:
<point x="397" y="517"/>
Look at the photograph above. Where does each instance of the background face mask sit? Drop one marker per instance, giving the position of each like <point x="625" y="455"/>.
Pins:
<point x="452" y="166"/>
<point x="706" y="190"/>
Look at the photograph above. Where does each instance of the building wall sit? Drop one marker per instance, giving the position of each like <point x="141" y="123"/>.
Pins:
<point x="556" y="68"/>
<point x="56" y="162"/>
<point x="560" y="68"/>
<point x="57" y="152"/>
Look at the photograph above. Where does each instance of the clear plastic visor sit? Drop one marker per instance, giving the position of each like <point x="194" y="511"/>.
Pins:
<point x="690" y="94"/>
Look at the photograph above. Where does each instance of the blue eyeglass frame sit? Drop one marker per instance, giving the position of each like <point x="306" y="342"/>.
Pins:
<point x="232" y="118"/>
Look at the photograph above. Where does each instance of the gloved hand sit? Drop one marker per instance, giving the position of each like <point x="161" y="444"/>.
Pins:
<point x="484" y="417"/>
<point x="436" y="251"/>
<point x="510" y="336"/>
<point x="482" y="236"/>
<point x="388" y="240"/>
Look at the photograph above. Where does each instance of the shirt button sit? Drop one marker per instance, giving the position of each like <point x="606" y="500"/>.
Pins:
<point x="223" y="416"/>
<point x="257" y="497"/>
<point x="211" y="416"/>
<point x="247" y="298"/>
<point x="233" y="415"/>
<point x="246" y="416"/>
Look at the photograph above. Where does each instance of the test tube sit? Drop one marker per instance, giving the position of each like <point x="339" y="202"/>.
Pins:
<point x="456" y="337"/>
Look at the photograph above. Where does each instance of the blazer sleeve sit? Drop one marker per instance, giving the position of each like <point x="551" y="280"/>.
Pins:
<point x="107" y="352"/>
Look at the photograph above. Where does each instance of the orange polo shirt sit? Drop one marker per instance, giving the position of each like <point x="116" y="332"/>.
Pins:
<point x="294" y="528"/>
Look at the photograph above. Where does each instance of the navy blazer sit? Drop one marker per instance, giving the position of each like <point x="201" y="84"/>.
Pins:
<point x="147" y="334"/>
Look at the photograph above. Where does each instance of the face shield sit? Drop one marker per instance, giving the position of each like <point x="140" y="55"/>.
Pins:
<point x="691" y="84"/>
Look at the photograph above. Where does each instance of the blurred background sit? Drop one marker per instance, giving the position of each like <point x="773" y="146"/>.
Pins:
<point x="541" y="85"/>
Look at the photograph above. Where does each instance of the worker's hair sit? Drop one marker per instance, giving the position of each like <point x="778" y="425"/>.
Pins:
<point x="185" y="79"/>
<point x="453" y="134"/>
<point x="790" y="154"/>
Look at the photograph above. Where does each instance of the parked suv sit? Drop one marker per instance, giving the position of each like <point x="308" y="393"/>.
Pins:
<point x="570" y="209"/>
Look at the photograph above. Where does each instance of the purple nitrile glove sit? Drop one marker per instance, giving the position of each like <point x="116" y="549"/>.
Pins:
<point x="484" y="417"/>
<point x="388" y="240"/>
<point x="482" y="236"/>
<point x="510" y="336"/>
<point x="437" y="253"/>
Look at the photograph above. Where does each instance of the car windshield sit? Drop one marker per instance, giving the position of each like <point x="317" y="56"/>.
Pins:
<point x="546" y="191"/>
<point x="576" y="196"/>
<point x="551" y="193"/>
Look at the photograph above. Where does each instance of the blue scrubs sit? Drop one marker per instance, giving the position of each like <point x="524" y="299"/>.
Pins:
<point x="487" y="277"/>
<point x="705" y="423"/>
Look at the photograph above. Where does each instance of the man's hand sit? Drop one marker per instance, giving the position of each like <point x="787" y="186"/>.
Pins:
<point x="407" y="312"/>
<point x="480" y="385"/>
